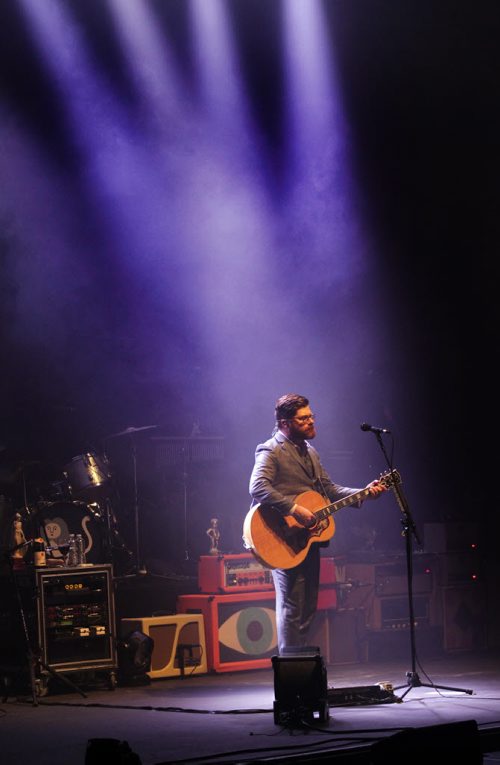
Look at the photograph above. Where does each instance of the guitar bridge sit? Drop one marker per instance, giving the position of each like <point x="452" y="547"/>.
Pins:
<point x="318" y="528"/>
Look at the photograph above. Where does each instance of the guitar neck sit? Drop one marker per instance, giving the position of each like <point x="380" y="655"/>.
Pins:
<point x="334" y="507"/>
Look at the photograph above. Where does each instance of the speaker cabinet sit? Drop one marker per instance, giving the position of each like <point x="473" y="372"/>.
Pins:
<point x="240" y="629"/>
<point x="464" y="617"/>
<point x="347" y="638"/>
<point x="459" y="568"/>
<point x="300" y="690"/>
<point x="341" y="635"/>
<point x="179" y="643"/>
<point x="451" y="537"/>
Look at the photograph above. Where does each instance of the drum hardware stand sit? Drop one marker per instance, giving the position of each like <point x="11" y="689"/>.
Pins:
<point x="409" y="530"/>
<point x="191" y="449"/>
<point x="140" y="568"/>
<point x="185" y="478"/>
<point x="30" y="656"/>
<point x="113" y="539"/>
<point x="28" y="513"/>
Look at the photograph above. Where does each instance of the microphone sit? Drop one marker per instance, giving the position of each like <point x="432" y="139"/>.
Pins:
<point x="373" y="429"/>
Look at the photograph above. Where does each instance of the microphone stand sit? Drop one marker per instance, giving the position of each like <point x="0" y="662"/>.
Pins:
<point x="409" y="531"/>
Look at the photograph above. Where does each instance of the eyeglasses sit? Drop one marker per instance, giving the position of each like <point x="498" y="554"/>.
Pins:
<point x="305" y="418"/>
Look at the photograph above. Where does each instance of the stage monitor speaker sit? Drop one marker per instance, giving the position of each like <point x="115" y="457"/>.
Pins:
<point x="300" y="690"/>
<point x="449" y="742"/>
<point x="179" y="643"/>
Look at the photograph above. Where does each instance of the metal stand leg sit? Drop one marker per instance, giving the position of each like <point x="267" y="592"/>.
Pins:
<point x="30" y="656"/>
<point x="410" y="531"/>
<point x="413" y="680"/>
<point x="63" y="679"/>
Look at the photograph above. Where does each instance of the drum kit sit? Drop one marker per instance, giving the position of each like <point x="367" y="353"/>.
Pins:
<point x="81" y="502"/>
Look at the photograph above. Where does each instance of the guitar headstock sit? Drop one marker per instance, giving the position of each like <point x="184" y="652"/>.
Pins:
<point x="390" y="478"/>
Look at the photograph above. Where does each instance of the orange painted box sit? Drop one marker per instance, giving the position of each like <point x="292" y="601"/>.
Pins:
<point x="240" y="628"/>
<point x="233" y="573"/>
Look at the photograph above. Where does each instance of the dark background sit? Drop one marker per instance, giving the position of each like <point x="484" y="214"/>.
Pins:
<point x="83" y="360"/>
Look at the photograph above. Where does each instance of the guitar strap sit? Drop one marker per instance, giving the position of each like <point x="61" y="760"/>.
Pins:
<point x="309" y="464"/>
<point x="316" y="476"/>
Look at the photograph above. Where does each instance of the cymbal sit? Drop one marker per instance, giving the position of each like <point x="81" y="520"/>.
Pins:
<point x="129" y="431"/>
<point x="15" y="459"/>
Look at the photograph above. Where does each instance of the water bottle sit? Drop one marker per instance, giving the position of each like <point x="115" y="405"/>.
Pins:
<point x="80" y="551"/>
<point x="72" y="552"/>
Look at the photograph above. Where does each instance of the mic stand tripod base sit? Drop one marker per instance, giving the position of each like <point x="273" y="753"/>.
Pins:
<point x="415" y="682"/>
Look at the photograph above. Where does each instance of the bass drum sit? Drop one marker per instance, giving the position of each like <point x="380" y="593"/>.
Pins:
<point x="87" y="475"/>
<point x="55" y="521"/>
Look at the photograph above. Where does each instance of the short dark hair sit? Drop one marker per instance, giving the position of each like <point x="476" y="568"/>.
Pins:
<point x="287" y="406"/>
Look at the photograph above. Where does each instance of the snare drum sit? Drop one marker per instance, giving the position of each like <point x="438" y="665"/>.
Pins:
<point x="55" y="521"/>
<point x="87" y="475"/>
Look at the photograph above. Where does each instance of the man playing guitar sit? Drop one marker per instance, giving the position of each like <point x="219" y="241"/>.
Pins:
<point x="288" y="521"/>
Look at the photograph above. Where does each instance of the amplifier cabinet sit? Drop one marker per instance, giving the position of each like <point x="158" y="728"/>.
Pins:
<point x="76" y="618"/>
<point x="459" y="568"/>
<point x="464" y="617"/>
<point x="179" y="643"/>
<point x="244" y="573"/>
<point x="327" y="595"/>
<point x="382" y="591"/>
<point x="327" y="571"/>
<point x="388" y="578"/>
<point x="232" y="573"/>
<point x="240" y="629"/>
<point x="452" y="537"/>
<point x="341" y="635"/>
<point x="393" y="612"/>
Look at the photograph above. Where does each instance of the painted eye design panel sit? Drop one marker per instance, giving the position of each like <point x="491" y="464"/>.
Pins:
<point x="250" y="631"/>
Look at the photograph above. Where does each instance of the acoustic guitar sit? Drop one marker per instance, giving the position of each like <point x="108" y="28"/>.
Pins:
<point x="279" y="541"/>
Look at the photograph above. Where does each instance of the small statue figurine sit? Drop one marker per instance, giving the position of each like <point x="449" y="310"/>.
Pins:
<point x="214" y="533"/>
<point x="18" y="539"/>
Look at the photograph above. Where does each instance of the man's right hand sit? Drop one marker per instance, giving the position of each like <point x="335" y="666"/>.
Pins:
<point x="304" y="516"/>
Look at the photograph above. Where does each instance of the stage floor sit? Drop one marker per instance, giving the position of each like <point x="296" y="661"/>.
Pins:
<point x="228" y="718"/>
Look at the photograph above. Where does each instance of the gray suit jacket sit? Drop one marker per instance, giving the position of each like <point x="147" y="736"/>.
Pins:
<point x="279" y="475"/>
